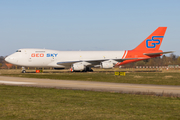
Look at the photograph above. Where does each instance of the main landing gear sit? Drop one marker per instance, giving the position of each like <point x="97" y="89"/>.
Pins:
<point x="87" y="69"/>
<point x="23" y="70"/>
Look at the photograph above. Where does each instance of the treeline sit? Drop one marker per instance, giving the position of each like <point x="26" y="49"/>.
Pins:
<point x="1" y="61"/>
<point x="158" y="61"/>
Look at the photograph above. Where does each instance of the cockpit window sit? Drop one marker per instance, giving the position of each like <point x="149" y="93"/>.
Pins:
<point x="18" y="50"/>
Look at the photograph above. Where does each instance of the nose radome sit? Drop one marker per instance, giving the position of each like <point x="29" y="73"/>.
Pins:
<point x="6" y="59"/>
<point x="10" y="59"/>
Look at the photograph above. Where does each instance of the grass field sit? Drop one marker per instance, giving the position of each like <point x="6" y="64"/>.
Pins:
<point x="42" y="103"/>
<point x="158" y="78"/>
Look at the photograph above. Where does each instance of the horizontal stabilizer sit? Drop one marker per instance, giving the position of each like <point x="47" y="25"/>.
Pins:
<point x="151" y="54"/>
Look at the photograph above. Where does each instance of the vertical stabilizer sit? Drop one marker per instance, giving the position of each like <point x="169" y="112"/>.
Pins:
<point x="153" y="41"/>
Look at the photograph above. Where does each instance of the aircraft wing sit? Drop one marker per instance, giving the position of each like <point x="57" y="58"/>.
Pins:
<point x="151" y="54"/>
<point x="93" y="62"/>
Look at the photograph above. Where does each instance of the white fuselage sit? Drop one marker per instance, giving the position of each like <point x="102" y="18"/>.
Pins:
<point x="84" y="60"/>
<point x="50" y="58"/>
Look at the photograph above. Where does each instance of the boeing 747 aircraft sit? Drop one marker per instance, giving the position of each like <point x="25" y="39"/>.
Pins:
<point x="84" y="60"/>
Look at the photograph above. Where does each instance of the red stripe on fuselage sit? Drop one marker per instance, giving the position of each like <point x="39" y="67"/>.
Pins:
<point x="124" y="54"/>
<point x="137" y="54"/>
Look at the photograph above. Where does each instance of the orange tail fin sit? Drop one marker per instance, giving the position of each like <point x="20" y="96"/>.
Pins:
<point x="153" y="42"/>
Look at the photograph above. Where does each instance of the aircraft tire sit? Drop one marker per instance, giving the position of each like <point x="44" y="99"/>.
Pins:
<point x="23" y="71"/>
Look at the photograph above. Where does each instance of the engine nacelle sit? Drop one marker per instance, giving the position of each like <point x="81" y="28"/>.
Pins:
<point x="106" y="64"/>
<point x="78" y="67"/>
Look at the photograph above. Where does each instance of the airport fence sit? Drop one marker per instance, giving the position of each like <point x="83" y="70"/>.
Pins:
<point x="162" y="68"/>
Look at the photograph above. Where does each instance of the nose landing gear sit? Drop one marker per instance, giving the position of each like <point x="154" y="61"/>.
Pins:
<point x="23" y="70"/>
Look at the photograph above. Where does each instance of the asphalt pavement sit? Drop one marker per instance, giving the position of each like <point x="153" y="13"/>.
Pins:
<point x="91" y="86"/>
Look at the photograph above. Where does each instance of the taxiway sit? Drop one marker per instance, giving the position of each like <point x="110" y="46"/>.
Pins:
<point x="91" y="86"/>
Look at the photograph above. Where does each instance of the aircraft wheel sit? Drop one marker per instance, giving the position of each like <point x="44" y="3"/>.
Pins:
<point x="23" y="71"/>
<point x="84" y="70"/>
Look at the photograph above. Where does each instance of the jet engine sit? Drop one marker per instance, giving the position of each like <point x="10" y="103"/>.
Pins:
<point x="106" y="64"/>
<point x="78" y="67"/>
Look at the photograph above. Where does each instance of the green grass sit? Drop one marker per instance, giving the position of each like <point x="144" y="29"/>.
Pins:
<point x="42" y="103"/>
<point x="158" y="78"/>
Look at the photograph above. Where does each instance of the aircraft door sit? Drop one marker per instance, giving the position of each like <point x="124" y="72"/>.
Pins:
<point x="52" y="58"/>
<point x="30" y="57"/>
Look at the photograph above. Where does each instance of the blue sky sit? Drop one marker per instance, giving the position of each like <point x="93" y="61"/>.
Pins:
<point x="86" y="25"/>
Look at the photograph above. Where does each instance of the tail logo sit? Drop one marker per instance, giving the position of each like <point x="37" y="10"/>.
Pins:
<point x="151" y="43"/>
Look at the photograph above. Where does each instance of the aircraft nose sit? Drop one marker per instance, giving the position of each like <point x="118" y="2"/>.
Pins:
<point x="7" y="59"/>
<point x="10" y="59"/>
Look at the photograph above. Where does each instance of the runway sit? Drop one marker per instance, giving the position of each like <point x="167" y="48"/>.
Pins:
<point x="91" y="86"/>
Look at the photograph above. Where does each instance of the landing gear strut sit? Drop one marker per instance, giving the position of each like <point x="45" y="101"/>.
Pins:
<point x="23" y="70"/>
<point x="87" y="69"/>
